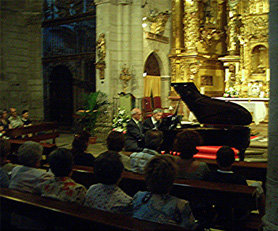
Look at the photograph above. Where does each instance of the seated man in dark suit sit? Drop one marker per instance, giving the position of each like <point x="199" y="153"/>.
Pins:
<point x="134" y="138"/>
<point x="225" y="157"/>
<point x="152" y="123"/>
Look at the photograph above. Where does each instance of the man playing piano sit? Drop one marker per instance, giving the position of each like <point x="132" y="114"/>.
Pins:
<point x="152" y="123"/>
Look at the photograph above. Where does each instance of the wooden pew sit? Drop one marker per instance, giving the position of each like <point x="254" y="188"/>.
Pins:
<point x="38" y="132"/>
<point x="250" y="170"/>
<point x="234" y="196"/>
<point x="70" y="216"/>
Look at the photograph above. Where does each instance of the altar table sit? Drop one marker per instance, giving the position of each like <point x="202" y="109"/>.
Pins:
<point x="256" y="106"/>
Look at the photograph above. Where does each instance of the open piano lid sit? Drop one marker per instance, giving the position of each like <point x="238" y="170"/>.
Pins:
<point x="211" y="111"/>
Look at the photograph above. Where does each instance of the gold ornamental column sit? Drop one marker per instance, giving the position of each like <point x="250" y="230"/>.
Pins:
<point x="177" y="39"/>
<point x="233" y="28"/>
<point x="177" y="27"/>
<point x="191" y="26"/>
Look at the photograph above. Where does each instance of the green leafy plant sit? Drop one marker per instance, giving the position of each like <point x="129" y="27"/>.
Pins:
<point x="95" y="105"/>
<point x="120" y="121"/>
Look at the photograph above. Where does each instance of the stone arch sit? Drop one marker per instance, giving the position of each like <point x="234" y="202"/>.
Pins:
<point x="152" y="65"/>
<point x="161" y="62"/>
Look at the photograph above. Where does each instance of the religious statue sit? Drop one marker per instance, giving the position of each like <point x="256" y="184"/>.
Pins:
<point x="193" y="69"/>
<point x="101" y="48"/>
<point x="125" y="76"/>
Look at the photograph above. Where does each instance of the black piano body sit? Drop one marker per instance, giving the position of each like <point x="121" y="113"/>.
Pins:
<point x="225" y="123"/>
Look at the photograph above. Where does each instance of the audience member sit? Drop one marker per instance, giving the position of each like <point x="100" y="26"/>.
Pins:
<point x="106" y="195"/>
<point x="115" y="142"/>
<point x="157" y="204"/>
<point x="4" y="122"/>
<point x="25" y="118"/>
<point x="5" y="164"/>
<point x="138" y="160"/>
<point x="25" y="178"/>
<point x="154" y="121"/>
<point x="134" y="138"/>
<point x="62" y="187"/>
<point x="225" y="157"/>
<point x="79" y="146"/>
<point x="14" y="119"/>
<point x="188" y="168"/>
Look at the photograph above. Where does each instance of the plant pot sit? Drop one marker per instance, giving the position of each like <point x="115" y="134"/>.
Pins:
<point x="92" y="139"/>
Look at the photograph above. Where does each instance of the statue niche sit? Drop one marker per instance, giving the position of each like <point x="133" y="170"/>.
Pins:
<point x="259" y="60"/>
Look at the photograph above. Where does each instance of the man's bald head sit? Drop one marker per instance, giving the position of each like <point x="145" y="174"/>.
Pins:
<point x="136" y="113"/>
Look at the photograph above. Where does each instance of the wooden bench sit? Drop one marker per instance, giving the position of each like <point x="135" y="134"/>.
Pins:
<point x="70" y="216"/>
<point x="250" y="170"/>
<point x="38" y="132"/>
<point x="234" y="196"/>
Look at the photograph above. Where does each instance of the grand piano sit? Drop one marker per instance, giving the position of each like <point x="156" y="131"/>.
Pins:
<point x="223" y="123"/>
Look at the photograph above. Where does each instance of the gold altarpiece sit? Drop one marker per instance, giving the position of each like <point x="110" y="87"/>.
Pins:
<point x="221" y="45"/>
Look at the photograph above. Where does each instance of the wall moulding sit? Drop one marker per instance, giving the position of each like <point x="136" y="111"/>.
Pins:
<point x="156" y="37"/>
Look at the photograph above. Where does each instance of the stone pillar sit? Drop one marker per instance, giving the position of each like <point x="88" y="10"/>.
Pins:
<point x="270" y="219"/>
<point x="103" y="26"/>
<point x="165" y="88"/>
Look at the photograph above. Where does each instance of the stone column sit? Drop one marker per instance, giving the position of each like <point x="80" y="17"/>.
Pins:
<point x="165" y="88"/>
<point x="270" y="219"/>
<point x="103" y="14"/>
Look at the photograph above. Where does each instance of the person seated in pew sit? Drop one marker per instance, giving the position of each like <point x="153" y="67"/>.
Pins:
<point x="188" y="168"/>
<point x="78" y="150"/>
<point x="14" y="119"/>
<point x="115" y="141"/>
<point x="4" y="122"/>
<point x="62" y="187"/>
<point x="157" y="204"/>
<point x="153" y="141"/>
<point x="106" y="195"/>
<point x="25" y="178"/>
<point x="25" y="118"/>
<point x="153" y="122"/>
<point x="225" y="157"/>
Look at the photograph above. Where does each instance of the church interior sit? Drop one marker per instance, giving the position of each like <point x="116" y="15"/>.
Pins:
<point x="95" y="65"/>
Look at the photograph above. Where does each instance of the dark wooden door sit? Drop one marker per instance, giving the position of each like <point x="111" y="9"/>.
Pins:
<point x="61" y="96"/>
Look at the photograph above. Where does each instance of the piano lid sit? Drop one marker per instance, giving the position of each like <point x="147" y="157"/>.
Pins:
<point x="212" y="111"/>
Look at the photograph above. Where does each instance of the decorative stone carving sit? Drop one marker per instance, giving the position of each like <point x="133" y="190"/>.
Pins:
<point x="209" y="37"/>
<point x="125" y="76"/>
<point x="101" y="53"/>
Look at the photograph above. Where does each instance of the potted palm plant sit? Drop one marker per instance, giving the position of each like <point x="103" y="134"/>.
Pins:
<point x="95" y="104"/>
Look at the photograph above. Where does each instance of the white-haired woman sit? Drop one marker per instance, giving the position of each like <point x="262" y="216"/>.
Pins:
<point x="25" y="178"/>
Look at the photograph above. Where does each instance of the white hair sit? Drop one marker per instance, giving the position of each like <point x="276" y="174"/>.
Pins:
<point x="30" y="153"/>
